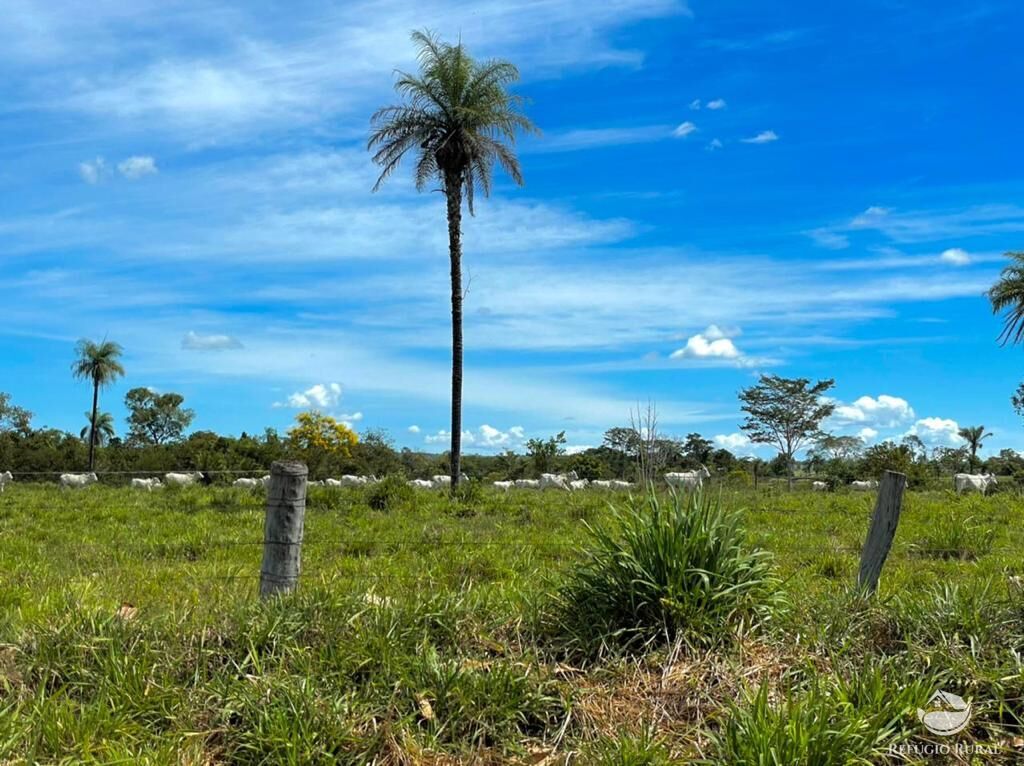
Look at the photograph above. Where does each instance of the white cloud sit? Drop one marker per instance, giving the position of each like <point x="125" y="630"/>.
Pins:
<point x="764" y="137"/>
<point x="684" y="129"/>
<point x="937" y="432"/>
<point x="714" y="144"/>
<point x="321" y="395"/>
<point x="956" y="256"/>
<point x="731" y="442"/>
<point x="867" y="434"/>
<point x="414" y="429"/>
<point x="718" y="103"/>
<point x="484" y="437"/>
<point x="137" y="167"/>
<point x="884" y="412"/>
<point x="93" y="171"/>
<point x="713" y="343"/>
<point x="193" y="341"/>
<point x="738" y="444"/>
<point x="575" y="449"/>
<point x="354" y="417"/>
<point x="695" y="104"/>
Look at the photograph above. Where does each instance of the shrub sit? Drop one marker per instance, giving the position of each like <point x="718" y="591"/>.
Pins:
<point x="665" y="569"/>
<point x="389" y="493"/>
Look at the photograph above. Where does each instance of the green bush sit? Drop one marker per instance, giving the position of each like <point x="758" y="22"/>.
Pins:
<point x="389" y="493"/>
<point x="666" y="569"/>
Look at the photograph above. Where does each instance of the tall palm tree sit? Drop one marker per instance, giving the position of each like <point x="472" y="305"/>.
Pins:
<point x="96" y="362"/>
<point x="1008" y="295"/>
<point x="104" y="428"/>
<point x="458" y="117"/>
<point x="974" y="436"/>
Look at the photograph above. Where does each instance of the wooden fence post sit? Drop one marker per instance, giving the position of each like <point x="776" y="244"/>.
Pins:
<point x="282" y="530"/>
<point x="882" y="530"/>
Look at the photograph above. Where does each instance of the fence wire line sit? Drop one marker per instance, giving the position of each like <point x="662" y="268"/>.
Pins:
<point x="158" y="546"/>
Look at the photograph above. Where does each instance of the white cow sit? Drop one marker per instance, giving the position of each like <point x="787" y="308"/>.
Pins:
<point x="504" y="486"/>
<point x="576" y="484"/>
<point x="819" y="486"/>
<point x="527" y="484"/>
<point x="147" y="484"/>
<point x="77" y="480"/>
<point x="421" y="483"/>
<point x="620" y="484"/>
<point x="601" y="484"/>
<point x="264" y="481"/>
<point x="182" y="479"/>
<point x="351" y="480"/>
<point x="973" y="482"/>
<point x="317" y="483"/>
<point x="444" y="480"/>
<point x="557" y="480"/>
<point x="5" y="477"/>
<point x="246" y="482"/>
<point x="864" y="486"/>
<point x="687" y="479"/>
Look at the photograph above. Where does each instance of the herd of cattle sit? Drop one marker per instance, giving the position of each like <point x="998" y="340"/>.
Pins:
<point x="689" y="480"/>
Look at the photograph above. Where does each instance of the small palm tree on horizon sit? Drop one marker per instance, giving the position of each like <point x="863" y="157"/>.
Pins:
<point x="97" y="363"/>
<point x="974" y="436"/>
<point x="104" y="428"/>
<point x="459" y="118"/>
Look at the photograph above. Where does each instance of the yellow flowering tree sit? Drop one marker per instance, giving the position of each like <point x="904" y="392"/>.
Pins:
<point x="318" y="437"/>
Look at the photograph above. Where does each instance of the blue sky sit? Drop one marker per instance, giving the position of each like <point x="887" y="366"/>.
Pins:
<point x="721" y="189"/>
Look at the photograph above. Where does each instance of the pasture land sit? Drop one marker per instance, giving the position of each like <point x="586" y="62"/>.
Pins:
<point x="131" y="632"/>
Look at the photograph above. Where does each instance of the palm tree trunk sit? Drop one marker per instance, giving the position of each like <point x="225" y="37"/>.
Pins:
<point x="92" y="423"/>
<point x="453" y="192"/>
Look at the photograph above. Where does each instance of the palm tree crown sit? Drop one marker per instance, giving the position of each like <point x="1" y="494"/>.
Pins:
<point x="1008" y="295"/>
<point x="97" y="362"/>
<point x="104" y="428"/>
<point x="457" y="114"/>
<point x="974" y="436"/>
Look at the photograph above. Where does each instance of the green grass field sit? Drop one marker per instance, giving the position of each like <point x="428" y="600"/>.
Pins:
<point x="131" y="632"/>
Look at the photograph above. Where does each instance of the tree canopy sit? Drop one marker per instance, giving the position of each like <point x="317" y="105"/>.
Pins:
<point x="785" y="412"/>
<point x="155" y="418"/>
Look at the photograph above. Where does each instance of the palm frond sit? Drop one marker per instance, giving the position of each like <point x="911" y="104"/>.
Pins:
<point x="1008" y="295"/>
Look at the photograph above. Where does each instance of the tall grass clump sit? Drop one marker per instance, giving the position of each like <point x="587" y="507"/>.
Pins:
<point x="666" y="569"/>
<point x="834" y="721"/>
<point x="390" y="493"/>
<point x="953" y="536"/>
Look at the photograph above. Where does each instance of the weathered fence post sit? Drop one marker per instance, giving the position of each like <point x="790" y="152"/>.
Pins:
<point x="882" y="530"/>
<point x="282" y="530"/>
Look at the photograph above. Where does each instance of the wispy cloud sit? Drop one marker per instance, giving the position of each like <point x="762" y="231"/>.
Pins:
<point x="597" y="138"/>
<point x="718" y="103"/>
<point x="137" y="167"/>
<point x="193" y="341"/>
<point x="921" y="226"/>
<point x="684" y="129"/>
<point x="764" y="137"/>
<point x="93" y="171"/>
